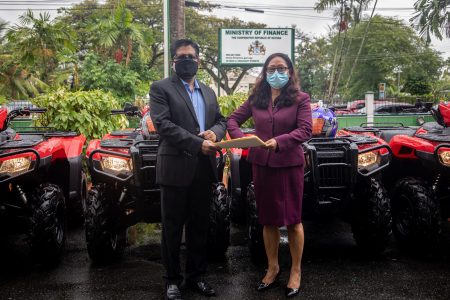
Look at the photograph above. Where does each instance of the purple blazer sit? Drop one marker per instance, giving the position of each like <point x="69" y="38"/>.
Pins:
<point x="290" y="126"/>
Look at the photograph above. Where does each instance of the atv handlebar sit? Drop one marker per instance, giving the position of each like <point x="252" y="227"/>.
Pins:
<point x="23" y="111"/>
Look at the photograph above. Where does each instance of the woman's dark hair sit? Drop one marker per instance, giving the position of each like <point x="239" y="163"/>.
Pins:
<point x="182" y="43"/>
<point x="262" y="93"/>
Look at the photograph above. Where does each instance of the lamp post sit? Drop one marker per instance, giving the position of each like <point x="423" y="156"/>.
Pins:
<point x="398" y="70"/>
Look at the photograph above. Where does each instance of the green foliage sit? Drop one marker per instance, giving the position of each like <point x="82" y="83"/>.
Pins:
<point x="417" y="84"/>
<point x="87" y="112"/>
<point x="3" y="100"/>
<point x="230" y="103"/>
<point x="432" y="18"/>
<point x="109" y="76"/>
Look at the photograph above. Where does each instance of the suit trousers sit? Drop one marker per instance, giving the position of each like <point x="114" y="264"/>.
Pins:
<point x="186" y="206"/>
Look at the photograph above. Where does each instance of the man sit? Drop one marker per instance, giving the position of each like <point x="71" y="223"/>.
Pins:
<point x="188" y="120"/>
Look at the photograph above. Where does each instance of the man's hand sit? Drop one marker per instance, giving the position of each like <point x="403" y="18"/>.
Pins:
<point x="270" y="145"/>
<point x="208" y="135"/>
<point x="209" y="148"/>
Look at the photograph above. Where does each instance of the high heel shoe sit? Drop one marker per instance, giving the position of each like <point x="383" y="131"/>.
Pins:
<point x="265" y="286"/>
<point x="290" y="293"/>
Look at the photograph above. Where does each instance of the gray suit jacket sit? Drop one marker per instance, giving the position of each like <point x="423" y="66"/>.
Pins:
<point x="174" y="118"/>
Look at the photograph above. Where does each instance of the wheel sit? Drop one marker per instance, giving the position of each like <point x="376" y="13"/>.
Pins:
<point x="48" y="224"/>
<point x="417" y="223"/>
<point x="77" y="206"/>
<point x="238" y="207"/>
<point x="255" y="230"/>
<point x="219" y="222"/>
<point x="105" y="241"/>
<point x="371" y="219"/>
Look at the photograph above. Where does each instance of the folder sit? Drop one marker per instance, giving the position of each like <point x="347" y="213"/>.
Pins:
<point x="245" y="142"/>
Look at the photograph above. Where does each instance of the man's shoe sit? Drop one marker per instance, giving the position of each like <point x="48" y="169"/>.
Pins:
<point x="202" y="287"/>
<point x="173" y="292"/>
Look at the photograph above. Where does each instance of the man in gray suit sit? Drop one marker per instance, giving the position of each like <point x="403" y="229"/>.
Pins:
<point x="188" y="120"/>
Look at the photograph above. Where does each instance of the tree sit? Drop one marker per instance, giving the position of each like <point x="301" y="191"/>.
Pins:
<point x="118" y="32"/>
<point x="417" y="84"/>
<point x="37" y="41"/>
<point x="432" y="18"/>
<point x="389" y="43"/>
<point x="204" y="30"/>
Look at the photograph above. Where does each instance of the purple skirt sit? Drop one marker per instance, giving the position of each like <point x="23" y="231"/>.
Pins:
<point x="279" y="194"/>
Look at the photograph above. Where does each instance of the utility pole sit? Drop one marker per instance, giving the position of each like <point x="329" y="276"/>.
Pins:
<point x="177" y="27"/>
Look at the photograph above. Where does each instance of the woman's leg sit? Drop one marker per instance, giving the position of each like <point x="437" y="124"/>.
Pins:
<point x="271" y="236"/>
<point x="296" y="238"/>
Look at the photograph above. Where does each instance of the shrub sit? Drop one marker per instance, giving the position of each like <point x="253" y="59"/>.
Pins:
<point x="87" y="112"/>
<point x="230" y="103"/>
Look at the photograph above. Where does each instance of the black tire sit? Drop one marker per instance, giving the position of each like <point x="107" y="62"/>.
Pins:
<point x="238" y="205"/>
<point x="255" y="230"/>
<point x="219" y="222"/>
<point x="48" y="224"/>
<point x="77" y="207"/>
<point x="416" y="218"/>
<point x="105" y="241"/>
<point x="371" y="219"/>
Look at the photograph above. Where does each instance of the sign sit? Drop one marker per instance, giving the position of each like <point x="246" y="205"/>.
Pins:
<point x="251" y="47"/>
<point x="381" y="90"/>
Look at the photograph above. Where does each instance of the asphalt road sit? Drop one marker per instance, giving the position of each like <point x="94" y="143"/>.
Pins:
<point x="332" y="269"/>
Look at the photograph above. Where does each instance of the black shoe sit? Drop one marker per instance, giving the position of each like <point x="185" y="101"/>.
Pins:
<point x="173" y="292"/>
<point x="265" y="286"/>
<point x="292" y="292"/>
<point x="202" y="287"/>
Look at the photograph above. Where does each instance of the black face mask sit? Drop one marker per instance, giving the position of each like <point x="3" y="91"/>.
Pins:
<point x="186" y="68"/>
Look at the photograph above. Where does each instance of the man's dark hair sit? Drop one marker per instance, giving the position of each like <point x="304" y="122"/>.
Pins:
<point x="182" y="43"/>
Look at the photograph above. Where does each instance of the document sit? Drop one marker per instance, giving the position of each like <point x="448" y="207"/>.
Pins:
<point x="245" y="142"/>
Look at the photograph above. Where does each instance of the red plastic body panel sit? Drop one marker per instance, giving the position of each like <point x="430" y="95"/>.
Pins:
<point x="400" y="144"/>
<point x="366" y="146"/>
<point x="3" y="115"/>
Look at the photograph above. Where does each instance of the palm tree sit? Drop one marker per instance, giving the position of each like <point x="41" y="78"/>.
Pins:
<point x="119" y="32"/>
<point x="432" y="18"/>
<point x="37" y="41"/>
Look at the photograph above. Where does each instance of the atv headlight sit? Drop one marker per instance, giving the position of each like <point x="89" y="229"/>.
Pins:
<point x="445" y="158"/>
<point x="367" y="159"/>
<point x="15" y="165"/>
<point x="116" y="164"/>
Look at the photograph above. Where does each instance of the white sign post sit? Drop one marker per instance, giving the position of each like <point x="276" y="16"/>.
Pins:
<point x="251" y="47"/>
<point x="369" y="108"/>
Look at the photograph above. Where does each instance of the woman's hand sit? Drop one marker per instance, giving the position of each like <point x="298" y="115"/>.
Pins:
<point x="271" y="145"/>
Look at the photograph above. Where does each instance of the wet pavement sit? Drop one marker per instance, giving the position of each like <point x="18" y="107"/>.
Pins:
<point x="332" y="269"/>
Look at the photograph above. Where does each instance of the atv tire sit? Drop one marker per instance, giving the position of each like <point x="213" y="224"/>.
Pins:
<point x="219" y="222"/>
<point x="105" y="242"/>
<point x="417" y="223"/>
<point x="371" y="219"/>
<point x="255" y="230"/>
<point x="77" y="207"/>
<point x="48" y="224"/>
<point x="238" y="205"/>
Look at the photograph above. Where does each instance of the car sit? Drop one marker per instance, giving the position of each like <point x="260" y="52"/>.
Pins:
<point x="390" y="108"/>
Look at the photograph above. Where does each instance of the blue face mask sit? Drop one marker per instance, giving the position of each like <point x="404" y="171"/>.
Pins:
<point x="277" y="80"/>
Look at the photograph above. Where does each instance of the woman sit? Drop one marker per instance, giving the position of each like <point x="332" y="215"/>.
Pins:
<point x="282" y="117"/>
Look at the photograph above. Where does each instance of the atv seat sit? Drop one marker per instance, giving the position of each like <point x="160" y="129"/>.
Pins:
<point x="432" y="127"/>
<point x="388" y="133"/>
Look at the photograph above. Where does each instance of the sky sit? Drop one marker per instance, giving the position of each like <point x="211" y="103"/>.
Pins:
<point x="277" y="13"/>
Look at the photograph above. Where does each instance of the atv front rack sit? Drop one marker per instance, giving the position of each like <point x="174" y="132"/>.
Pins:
<point x="33" y="167"/>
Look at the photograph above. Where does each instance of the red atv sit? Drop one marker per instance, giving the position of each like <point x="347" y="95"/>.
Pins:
<point x="419" y="177"/>
<point x="40" y="175"/>
<point x="342" y="178"/>
<point x="123" y="169"/>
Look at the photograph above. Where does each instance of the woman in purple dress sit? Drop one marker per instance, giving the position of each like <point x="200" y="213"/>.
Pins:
<point x="282" y="117"/>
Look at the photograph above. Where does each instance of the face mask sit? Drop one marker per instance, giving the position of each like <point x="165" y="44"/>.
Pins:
<point x="186" y="68"/>
<point x="277" y="80"/>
